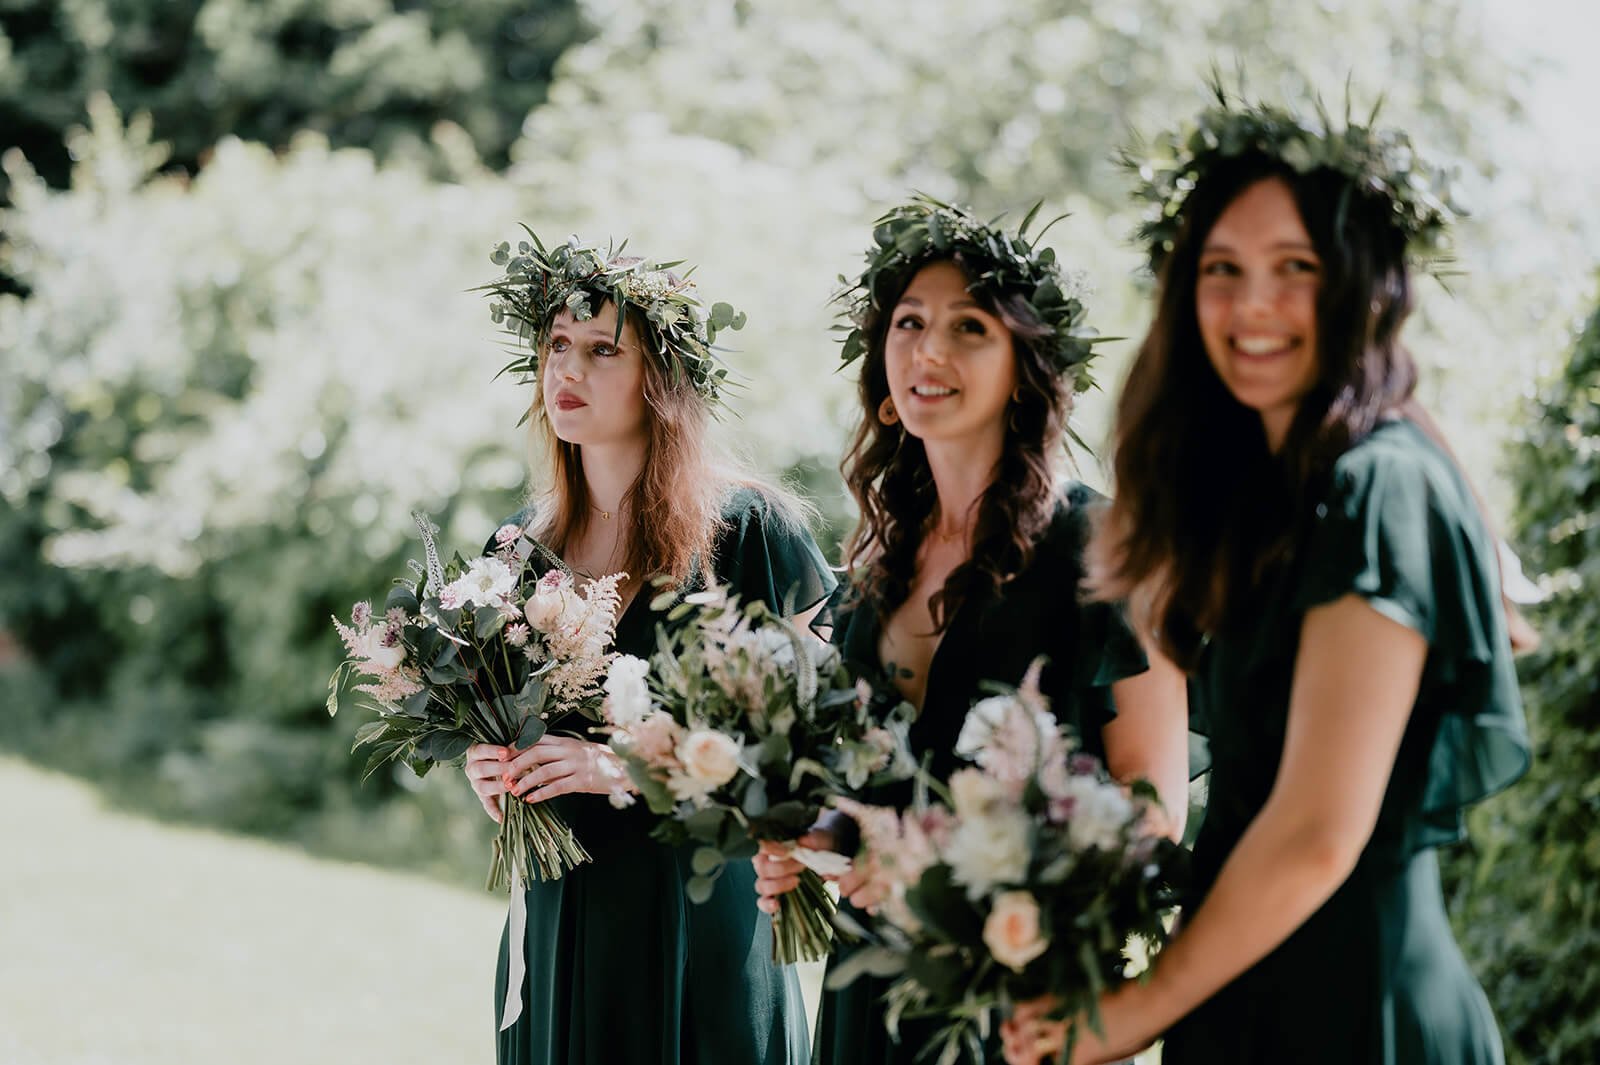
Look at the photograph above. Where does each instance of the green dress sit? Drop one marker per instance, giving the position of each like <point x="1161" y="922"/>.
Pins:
<point x="1374" y="976"/>
<point x="1088" y="646"/>
<point x="622" y="969"/>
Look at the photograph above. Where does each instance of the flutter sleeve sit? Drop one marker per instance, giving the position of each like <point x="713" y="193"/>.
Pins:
<point x="1400" y="528"/>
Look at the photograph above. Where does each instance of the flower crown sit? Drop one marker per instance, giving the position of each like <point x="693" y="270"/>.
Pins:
<point x="1375" y="162"/>
<point x="998" y="264"/>
<point x="576" y="277"/>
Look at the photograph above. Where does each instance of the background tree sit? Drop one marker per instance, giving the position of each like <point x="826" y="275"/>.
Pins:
<point x="1527" y="890"/>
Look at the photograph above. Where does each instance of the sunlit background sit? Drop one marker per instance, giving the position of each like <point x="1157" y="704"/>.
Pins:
<point x="238" y="345"/>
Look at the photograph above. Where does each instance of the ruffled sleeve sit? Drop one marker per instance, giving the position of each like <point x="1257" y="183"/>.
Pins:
<point x="767" y="554"/>
<point x="1400" y="528"/>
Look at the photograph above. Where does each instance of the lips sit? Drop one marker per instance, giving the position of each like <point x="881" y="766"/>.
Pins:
<point x="568" y="401"/>
<point x="933" y="391"/>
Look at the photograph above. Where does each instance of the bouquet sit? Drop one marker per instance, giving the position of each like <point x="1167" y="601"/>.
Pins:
<point x="477" y="652"/>
<point x="1033" y="878"/>
<point x="736" y="730"/>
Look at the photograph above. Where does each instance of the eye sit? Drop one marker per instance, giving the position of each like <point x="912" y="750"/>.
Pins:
<point x="1302" y="266"/>
<point x="972" y="327"/>
<point x="558" y="344"/>
<point x="908" y="321"/>
<point x="1219" y="268"/>
<point x="604" y="350"/>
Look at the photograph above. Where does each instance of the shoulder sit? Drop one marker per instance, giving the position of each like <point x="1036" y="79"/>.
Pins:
<point x="1398" y="467"/>
<point x="1072" y="521"/>
<point x="766" y="551"/>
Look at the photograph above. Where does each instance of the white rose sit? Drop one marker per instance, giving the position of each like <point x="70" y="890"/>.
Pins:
<point x="549" y="602"/>
<point x="627" y="695"/>
<point x="709" y="757"/>
<point x="379" y="656"/>
<point x="984" y="852"/>
<point x="1011" y="931"/>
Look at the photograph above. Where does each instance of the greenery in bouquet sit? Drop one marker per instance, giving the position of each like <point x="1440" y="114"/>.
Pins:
<point x="1035" y="876"/>
<point x="482" y="651"/>
<point x="737" y="730"/>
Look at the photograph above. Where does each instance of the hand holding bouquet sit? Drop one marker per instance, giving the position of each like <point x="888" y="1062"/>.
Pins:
<point x="475" y="652"/>
<point x="1032" y="880"/>
<point x="735" y="731"/>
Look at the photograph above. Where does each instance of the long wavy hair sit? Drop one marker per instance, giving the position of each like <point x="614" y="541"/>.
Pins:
<point x="675" y="504"/>
<point x="886" y="468"/>
<point x="1204" y="511"/>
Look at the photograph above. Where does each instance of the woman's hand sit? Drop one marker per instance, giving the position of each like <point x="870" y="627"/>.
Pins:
<point x="562" y="765"/>
<point x="858" y="887"/>
<point x="485" y="768"/>
<point x="1028" y="1034"/>
<point x="778" y="872"/>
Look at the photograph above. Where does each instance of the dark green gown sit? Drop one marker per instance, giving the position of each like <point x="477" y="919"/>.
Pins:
<point x="1374" y="976"/>
<point x="1089" y="647"/>
<point x="622" y="969"/>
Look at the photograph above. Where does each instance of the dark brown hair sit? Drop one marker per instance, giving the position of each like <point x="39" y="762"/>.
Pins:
<point x="1203" y="509"/>
<point x="886" y="468"/>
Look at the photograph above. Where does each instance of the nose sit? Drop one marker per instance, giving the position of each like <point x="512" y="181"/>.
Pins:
<point x="1259" y="293"/>
<point x="564" y="366"/>
<point x="929" y="349"/>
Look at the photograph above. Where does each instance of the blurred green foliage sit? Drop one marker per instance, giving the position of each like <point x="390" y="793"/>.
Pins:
<point x="247" y="346"/>
<point x="371" y="73"/>
<point x="1527" y="891"/>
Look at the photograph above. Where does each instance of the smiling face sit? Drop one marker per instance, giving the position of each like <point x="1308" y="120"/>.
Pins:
<point x="1256" y="303"/>
<point x="950" y="363"/>
<point x="593" y="384"/>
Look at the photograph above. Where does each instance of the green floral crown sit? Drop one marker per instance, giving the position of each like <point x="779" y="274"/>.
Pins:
<point x="539" y="284"/>
<point x="998" y="264"/>
<point x="1378" y="162"/>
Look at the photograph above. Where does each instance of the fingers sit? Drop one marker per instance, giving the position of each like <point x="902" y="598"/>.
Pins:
<point x="851" y="882"/>
<point x="543" y="774"/>
<point x="563" y="786"/>
<point x="492" y="805"/>
<point x="771" y="887"/>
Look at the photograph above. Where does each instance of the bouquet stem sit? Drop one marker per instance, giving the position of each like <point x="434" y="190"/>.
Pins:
<point x="535" y="841"/>
<point x="803" y="926"/>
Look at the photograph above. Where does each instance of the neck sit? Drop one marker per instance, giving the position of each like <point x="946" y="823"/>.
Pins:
<point x="1276" y="424"/>
<point x="962" y="472"/>
<point x="609" y="470"/>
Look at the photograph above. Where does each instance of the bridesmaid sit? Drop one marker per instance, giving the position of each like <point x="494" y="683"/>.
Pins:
<point x="621" y="969"/>
<point x="967" y="561"/>
<point x="1336" y="596"/>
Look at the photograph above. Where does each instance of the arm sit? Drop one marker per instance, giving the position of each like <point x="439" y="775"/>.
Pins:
<point x="1149" y="738"/>
<point x="1355" y="680"/>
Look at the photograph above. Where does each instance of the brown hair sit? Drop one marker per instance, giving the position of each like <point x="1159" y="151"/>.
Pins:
<point x="1203" y="509"/>
<point x="886" y="468"/>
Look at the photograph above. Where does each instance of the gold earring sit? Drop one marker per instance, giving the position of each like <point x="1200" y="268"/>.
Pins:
<point x="886" y="412"/>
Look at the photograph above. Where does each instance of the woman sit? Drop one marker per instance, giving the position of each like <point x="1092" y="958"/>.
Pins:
<point x="621" y="969"/>
<point x="967" y="560"/>
<point x="1290" y="525"/>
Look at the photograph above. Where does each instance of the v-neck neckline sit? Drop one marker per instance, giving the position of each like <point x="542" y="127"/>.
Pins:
<point x="874" y="634"/>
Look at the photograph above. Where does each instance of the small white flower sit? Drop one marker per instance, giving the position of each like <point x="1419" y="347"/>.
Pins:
<point x="487" y="582"/>
<point x="627" y="695"/>
<point x="1097" y="813"/>
<point x="984" y="852"/>
<point x="973" y="792"/>
<point x="517" y="634"/>
<point x="507" y="533"/>
<point x="361" y="615"/>
<point x="452" y="596"/>
<point x="1012" y="932"/>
